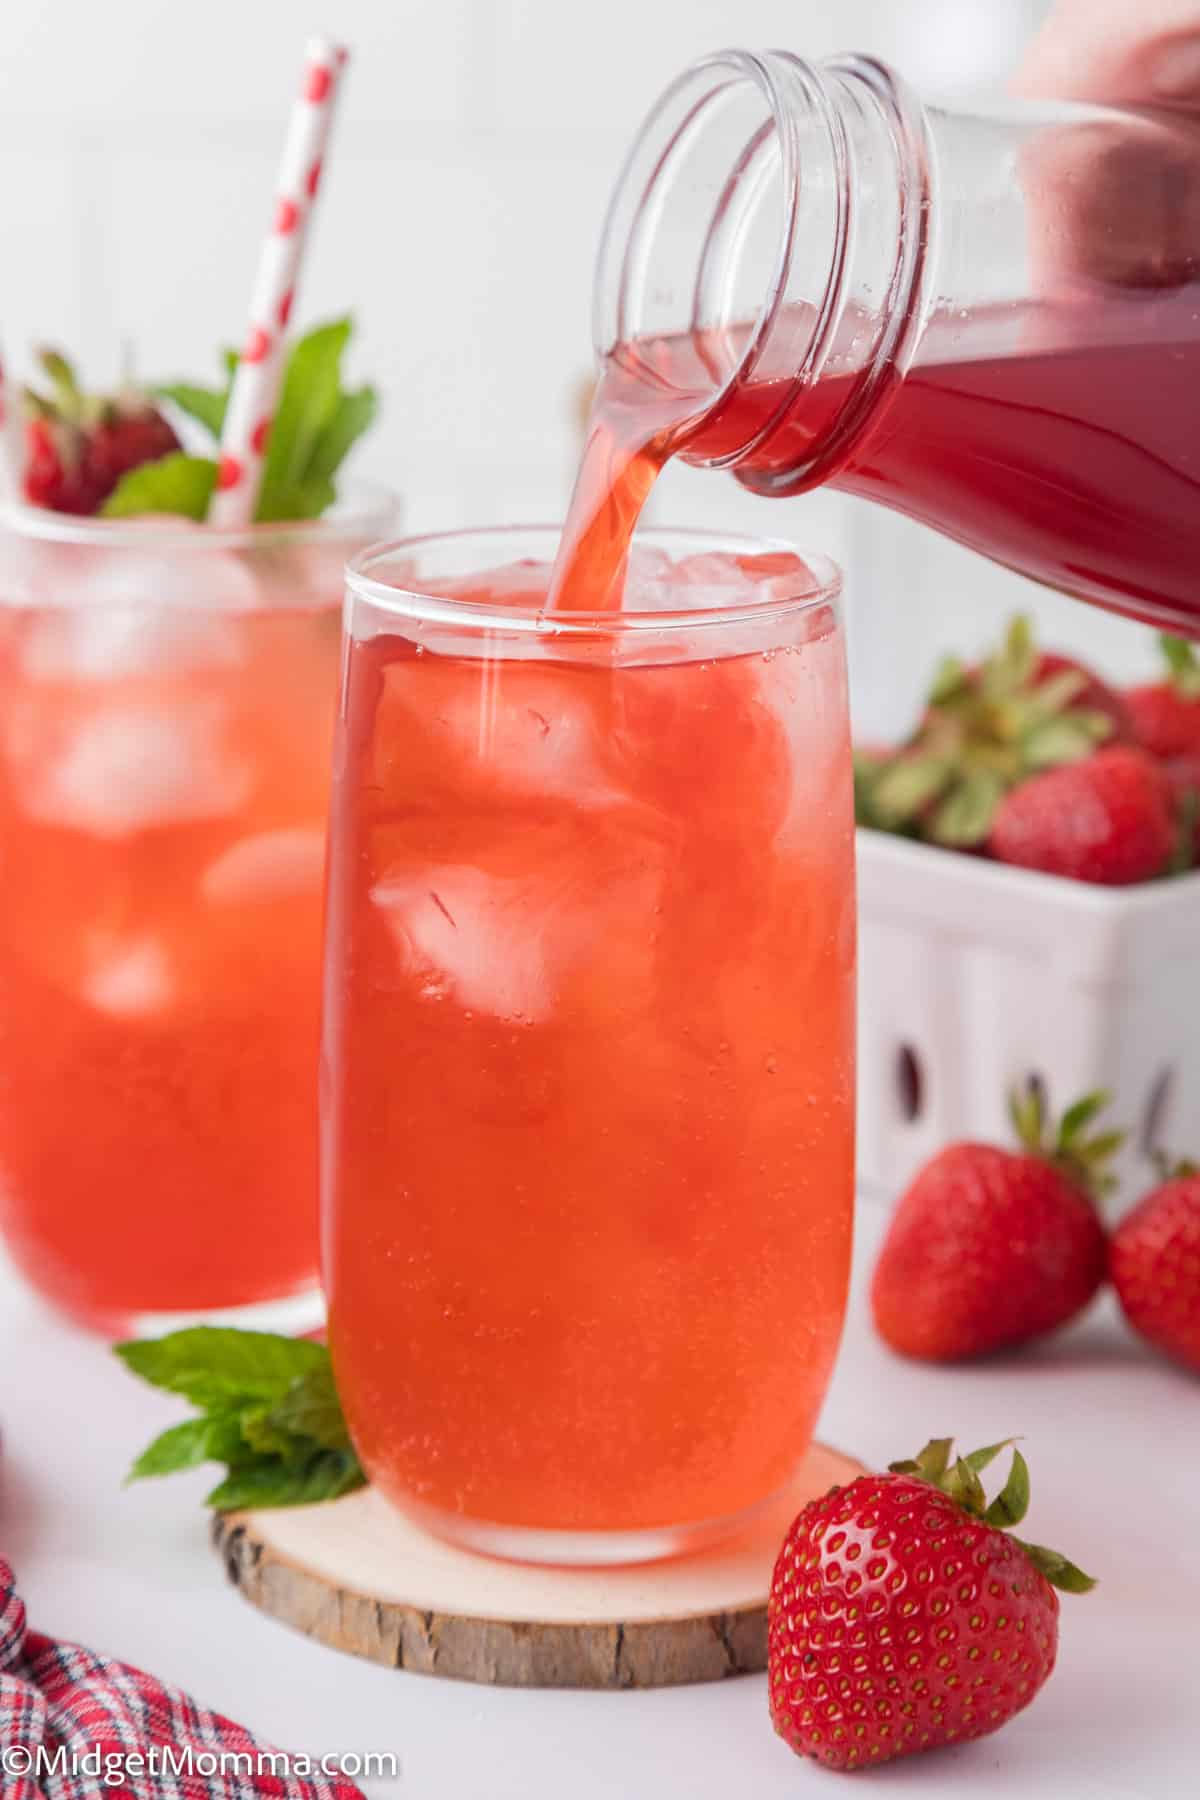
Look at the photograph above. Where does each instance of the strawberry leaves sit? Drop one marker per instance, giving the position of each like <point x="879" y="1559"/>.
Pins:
<point x="317" y="423"/>
<point x="984" y="730"/>
<point x="1083" y="1159"/>
<point x="1183" y="663"/>
<point x="268" y="1410"/>
<point x="1059" y="1572"/>
<point x="958" y="1478"/>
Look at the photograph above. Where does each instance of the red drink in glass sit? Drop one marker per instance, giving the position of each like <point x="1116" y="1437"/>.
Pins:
<point x="589" y="1039"/>
<point x="166" y="706"/>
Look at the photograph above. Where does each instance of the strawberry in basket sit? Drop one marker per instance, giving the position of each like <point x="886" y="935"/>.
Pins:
<point x="1166" y="714"/>
<point x="1031" y="759"/>
<point x="985" y="729"/>
<point x="1109" y="820"/>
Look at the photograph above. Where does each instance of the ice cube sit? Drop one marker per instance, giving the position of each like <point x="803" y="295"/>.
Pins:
<point x="131" y="980"/>
<point x="570" y="902"/>
<point x="122" y="769"/>
<point x="518" y="584"/>
<point x="516" y="729"/>
<point x="464" y="936"/>
<point x="735" y="580"/>
<point x="103" y="642"/>
<point x="269" y="866"/>
<point x="647" y="580"/>
<point x="175" y="567"/>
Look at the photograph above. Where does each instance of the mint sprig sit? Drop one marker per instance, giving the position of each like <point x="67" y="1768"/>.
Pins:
<point x="268" y="1410"/>
<point x="177" y="484"/>
<point x="317" y="422"/>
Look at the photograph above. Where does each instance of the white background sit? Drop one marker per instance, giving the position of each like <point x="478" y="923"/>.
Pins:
<point x="1115" y="1470"/>
<point x="477" y="144"/>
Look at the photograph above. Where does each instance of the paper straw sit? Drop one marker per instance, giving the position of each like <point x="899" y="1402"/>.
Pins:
<point x="12" y="459"/>
<point x="256" y="382"/>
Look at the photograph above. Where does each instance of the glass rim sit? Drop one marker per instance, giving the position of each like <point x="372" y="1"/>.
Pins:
<point x="413" y="602"/>
<point x="363" y="505"/>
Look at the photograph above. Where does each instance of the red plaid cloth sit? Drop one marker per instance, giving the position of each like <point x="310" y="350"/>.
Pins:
<point x="111" y="1723"/>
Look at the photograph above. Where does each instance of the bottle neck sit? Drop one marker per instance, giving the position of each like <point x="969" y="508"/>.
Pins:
<point x="775" y="216"/>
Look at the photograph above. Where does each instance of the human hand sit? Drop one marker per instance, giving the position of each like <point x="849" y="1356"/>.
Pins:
<point x="1144" y="54"/>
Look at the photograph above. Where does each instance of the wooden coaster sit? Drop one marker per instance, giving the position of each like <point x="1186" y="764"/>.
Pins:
<point x="360" y="1577"/>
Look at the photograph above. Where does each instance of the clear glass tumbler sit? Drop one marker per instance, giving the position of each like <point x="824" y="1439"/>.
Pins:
<point x="587" y="1070"/>
<point x="166" y="707"/>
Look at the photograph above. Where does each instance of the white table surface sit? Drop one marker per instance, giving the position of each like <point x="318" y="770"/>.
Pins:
<point x="1111" y="1435"/>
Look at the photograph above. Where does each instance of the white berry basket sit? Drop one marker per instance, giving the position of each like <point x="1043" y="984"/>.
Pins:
<point x="975" y="976"/>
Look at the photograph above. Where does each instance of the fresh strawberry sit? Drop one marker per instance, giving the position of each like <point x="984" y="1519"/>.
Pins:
<point x="78" y="446"/>
<point x="1106" y="820"/>
<point x="986" y="728"/>
<point x="1154" y="1262"/>
<point x="990" y="1247"/>
<point x="1166" y="714"/>
<point x="903" y="1616"/>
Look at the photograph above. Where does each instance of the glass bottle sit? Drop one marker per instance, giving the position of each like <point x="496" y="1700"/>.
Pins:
<point x="987" y="320"/>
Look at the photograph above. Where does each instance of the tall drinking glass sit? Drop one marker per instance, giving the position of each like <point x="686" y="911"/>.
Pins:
<point x="587" y="1070"/>
<point x="166" y="705"/>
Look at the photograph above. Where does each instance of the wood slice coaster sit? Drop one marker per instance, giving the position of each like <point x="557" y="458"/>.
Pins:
<point x="360" y="1577"/>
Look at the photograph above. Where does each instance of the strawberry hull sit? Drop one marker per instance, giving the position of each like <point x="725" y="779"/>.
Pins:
<point x="976" y="976"/>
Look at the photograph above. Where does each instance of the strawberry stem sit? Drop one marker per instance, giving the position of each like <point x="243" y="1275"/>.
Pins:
<point x="1082" y="1159"/>
<point x="958" y="1478"/>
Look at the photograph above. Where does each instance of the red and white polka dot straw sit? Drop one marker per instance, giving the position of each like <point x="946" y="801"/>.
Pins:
<point x="256" y="382"/>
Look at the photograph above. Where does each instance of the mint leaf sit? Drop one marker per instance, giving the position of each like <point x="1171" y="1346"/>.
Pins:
<point x="174" y="484"/>
<point x="186" y="1446"/>
<point x="268" y="1482"/>
<point x="203" y="403"/>
<point x="269" y="1412"/>
<point x="311" y="1409"/>
<point x="260" y="1433"/>
<point x="217" y="1366"/>
<point x="298" y="500"/>
<point x="316" y="424"/>
<point x="308" y="401"/>
<point x="353" y="414"/>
